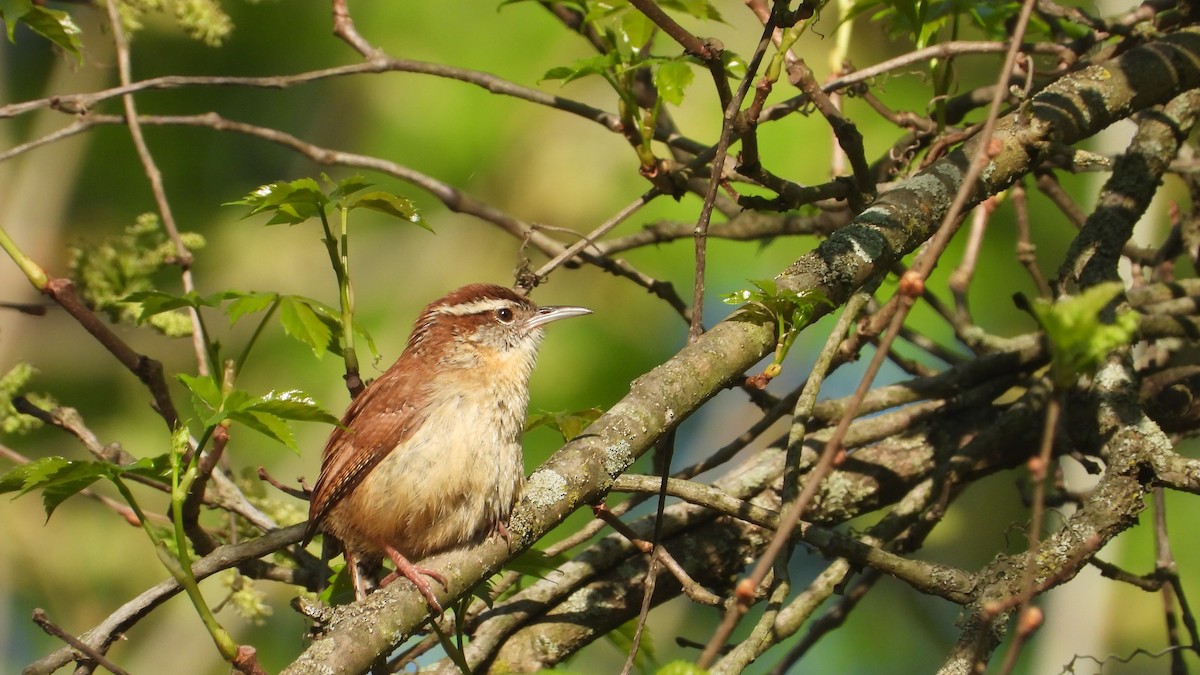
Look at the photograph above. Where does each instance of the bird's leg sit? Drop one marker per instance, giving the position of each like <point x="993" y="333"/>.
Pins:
<point x="357" y="576"/>
<point x="417" y="576"/>
<point x="502" y="530"/>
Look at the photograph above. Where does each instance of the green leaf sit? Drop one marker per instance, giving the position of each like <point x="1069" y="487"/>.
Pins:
<point x="205" y="391"/>
<point x="291" y="405"/>
<point x="701" y="9"/>
<point x="267" y="424"/>
<point x="622" y="638"/>
<point x="302" y="321"/>
<point x="1079" y="338"/>
<point x="27" y="476"/>
<point x="58" y="478"/>
<point x="595" y="65"/>
<point x="249" y="303"/>
<point x="569" y="424"/>
<point x="157" y="302"/>
<point x="348" y="186"/>
<point x="155" y="468"/>
<point x="636" y="32"/>
<point x="671" y="79"/>
<point x="57" y="27"/>
<point x="70" y="480"/>
<point x="535" y="563"/>
<point x="340" y="590"/>
<point x="390" y="204"/>
<point x="290" y="202"/>
<point x="12" y="11"/>
<point x="54" y="25"/>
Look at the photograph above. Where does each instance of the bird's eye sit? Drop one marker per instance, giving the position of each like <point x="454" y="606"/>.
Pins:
<point x="504" y="314"/>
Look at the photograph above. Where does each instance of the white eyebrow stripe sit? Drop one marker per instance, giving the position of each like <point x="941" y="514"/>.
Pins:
<point x="476" y="307"/>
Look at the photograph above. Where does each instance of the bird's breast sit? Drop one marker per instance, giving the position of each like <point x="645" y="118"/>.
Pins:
<point x="450" y="482"/>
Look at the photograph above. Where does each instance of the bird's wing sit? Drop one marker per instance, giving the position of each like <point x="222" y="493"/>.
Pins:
<point x="376" y="422"/>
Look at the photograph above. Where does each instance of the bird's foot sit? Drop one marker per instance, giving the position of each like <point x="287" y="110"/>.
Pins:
<point x="502" y="530"/>
<point x="417" y="576"/>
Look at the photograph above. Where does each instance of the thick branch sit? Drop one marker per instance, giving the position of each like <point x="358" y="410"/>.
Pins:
<point x="1073" y="108"/>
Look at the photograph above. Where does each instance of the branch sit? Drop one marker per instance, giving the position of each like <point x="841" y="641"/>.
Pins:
<point x="224" y="557"/>
<point x="580" y="472"/>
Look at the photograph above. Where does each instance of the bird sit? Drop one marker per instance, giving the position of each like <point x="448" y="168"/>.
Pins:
<point x="428" y="456"/>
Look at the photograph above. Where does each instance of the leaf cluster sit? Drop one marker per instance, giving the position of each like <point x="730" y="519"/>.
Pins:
<point x="293" y="202"/>
<point x="111" y="274"/>
<point x="59" y="478"/>
<point x="790" y="311"/>
<point x="1079" y="335"/>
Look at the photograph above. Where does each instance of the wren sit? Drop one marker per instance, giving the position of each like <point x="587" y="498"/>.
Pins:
<point x="428" y="457"/>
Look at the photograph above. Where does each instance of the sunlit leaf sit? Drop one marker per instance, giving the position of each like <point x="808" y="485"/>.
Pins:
<point x="12" y="11"/>
<point x="27" y="476"/>
<point x="1080" y="338"/>
<point x="340" y="590"/>
<point x="291" y="405"/>
<point x="348" y="186"/>
<point x="69" y="481"/>
<point x="302" y="322"/>
<point x="290" y="202"/>
<point x="671" y="79"/>
<point x="595" y="65"/>
<point x="157" y="302"/>
<point x="392" y="205"/>
<point x="204" y="390"/>
<point x="267" y="424"/>
<point x="701" y="9"/>
<point x="56" y="26"/>
<point x="249" y="303"/>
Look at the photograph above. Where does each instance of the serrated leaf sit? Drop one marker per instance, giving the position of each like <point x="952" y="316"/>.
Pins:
<point x="157" y="302"/>
<point x="58" y="479"/>
<point x="348" y="186"/>
<point x="70" y="480"/>
<point x="291" y="405"/>
<point x="249" y="303"/>
<point x="157" y="467"/>
<point x="390" y="204"/>
<point x="267" y="424"/>
<point x="56" y="26"/>
<point x="27" y="476"/>
<point x="595" y="65"/>
<point x="291" y="202"/>
<point x="204" y="390"/>
<point x="302" y="322"/>
<point x="1079" y="339"/>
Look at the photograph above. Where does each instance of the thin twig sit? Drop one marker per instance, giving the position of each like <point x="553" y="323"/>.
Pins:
<point x="183" y="257"/>
<point x="40" y="618"/>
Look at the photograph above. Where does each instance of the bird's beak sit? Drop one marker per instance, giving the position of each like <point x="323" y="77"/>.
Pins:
<point x="545" y="315"/>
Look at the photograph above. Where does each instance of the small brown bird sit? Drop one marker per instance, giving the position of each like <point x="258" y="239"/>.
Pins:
<point x="428" y="457"/>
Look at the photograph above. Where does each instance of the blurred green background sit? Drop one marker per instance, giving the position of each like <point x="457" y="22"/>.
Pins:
<point x="541" y="165"/>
